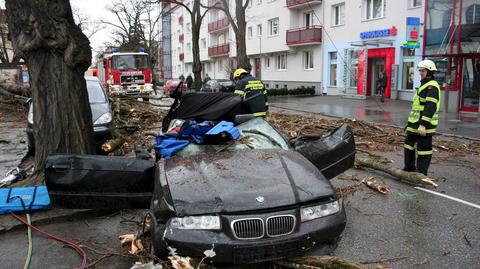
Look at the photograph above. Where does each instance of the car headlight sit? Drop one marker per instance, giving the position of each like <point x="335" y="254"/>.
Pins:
<point x="105" y="118"/>
<point x="315" y="212"/>
<point x="196" y="223"/>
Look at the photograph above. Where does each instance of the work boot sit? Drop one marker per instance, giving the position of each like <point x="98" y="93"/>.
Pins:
<point x="423" y="162"/>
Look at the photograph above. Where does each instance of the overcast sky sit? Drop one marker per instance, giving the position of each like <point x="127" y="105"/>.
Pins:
<point x="95" y="10"/>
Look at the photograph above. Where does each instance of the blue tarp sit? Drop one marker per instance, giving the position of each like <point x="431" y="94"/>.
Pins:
<point x="24" y="199"/>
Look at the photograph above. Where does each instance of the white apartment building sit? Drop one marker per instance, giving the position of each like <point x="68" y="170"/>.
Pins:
<point x="284" y="42"/>
<point x="364" y="37"/>
<point x="338" y="46"/>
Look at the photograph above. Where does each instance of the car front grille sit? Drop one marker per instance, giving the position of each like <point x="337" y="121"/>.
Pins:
<point x="254" y="228"/>
<point x="248" y="228"/>
<point x="280" y="225"/>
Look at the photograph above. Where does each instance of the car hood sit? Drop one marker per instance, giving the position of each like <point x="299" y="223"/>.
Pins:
<point x="98" y="109"/>
<point x="243" y="180"/>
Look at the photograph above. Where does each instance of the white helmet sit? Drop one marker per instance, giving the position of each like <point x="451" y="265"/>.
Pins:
<point x="427" y="64"/>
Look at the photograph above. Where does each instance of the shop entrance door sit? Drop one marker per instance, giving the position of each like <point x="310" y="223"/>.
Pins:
<point x="471" y="84"/>
<point x="377" y="66"/>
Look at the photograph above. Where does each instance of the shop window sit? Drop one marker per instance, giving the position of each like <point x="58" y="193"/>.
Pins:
<point x="374" y="9"/>
<point x="308" y="60"/>
<point x="333" y="68"/>
<point x="273" y="27"/>
<point x="408" y="69"/>
<point x="282" y="62"/>
<point x="339" y="14"/>
<point x="353" y="69"/>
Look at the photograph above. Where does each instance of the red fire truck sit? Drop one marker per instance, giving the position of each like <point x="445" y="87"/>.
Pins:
<point x="125" y="72"/>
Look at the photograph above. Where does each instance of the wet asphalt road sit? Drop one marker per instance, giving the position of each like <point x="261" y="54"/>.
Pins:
<point x="407" y="228"/>
<point x="13" y="139"/>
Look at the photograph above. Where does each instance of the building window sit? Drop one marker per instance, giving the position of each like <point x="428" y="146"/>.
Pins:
<point x="259" y="29"/>
<point x="189" y="48"/>
<point x="353" y="68"/>
<point x="282" y="62"/>
<point x="188" y="27"/>
<point x="308" y="19"/>
<point x="415" y="3"/>
<point x="249" y="32"/>
<point x="267" y="62"/>
<point x="333" y="68"/>
<point x="273" y="27"/>
<point x="408" y="68"/>
<point x="374" y="9"/>
<point x="204" y="43"/>
<point x="339" y="14"/>
<point x="220" y="65"/>
<point x="308" y="60"/>
<point x="259" y="2"/>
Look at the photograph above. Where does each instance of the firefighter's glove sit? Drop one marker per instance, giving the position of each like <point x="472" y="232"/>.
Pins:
<point x="422" y="130"/>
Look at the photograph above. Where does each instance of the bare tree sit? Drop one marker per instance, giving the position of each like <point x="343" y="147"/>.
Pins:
<point x="136" y="26"/>
<point x="88" y="27"/>
<point x="239" y="26"/>
<point x="196" y="18"/>
<point x="7" y="55"/>
<point x="57" y="53"/>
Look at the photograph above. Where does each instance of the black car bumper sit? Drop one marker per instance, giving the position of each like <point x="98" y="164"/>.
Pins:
<point x="307" y="236"/>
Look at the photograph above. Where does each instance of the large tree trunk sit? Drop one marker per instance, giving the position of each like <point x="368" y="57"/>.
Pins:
<point x="242" y="58"/>
<point x="197" y="64"/>
<point x="57" y="53"/>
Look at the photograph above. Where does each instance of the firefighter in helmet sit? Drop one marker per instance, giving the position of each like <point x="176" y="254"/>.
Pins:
<point x="423" y="120"/>
<point x="253" y="90"/>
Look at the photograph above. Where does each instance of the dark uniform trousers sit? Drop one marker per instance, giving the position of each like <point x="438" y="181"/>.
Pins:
<point x="423" y="144"/>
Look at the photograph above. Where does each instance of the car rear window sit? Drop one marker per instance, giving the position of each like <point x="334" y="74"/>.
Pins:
<point x="95" y="92"/>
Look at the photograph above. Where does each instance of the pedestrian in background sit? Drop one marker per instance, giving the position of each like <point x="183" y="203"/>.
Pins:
<point x="423" y="120"/>
<point x="189" y="81"/>
<point x="383" y="85"/>
<point x="206" y="78"/>
<point x="182" y="77"/>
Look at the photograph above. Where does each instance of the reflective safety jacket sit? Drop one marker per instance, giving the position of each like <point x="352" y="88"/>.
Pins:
<point x="249" y="86"/>
<point x="425" y="106"/>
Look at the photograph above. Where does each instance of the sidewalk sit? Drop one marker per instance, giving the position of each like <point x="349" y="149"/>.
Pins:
<point x="392" y="112"/>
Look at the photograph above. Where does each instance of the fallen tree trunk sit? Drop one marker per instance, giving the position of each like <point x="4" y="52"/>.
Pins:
<point x="320" y="262"/>
<point x="409" y="177"/>
<point x="114" y="143"/>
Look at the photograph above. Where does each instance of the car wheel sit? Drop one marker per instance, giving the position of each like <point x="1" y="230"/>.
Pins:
<point x="159" y="247"/>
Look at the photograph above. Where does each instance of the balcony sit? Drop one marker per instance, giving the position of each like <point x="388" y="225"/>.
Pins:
<point x="181" y="57"/>
<point x="301" y="3"/>
<point x="219" y="50"/>
<point x="181" y="37"/>
<point x="304" y="36"/>
<point x="218" y="25"/>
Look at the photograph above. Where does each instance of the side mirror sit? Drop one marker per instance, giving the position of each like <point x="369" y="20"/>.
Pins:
<point x="27" y="103"/>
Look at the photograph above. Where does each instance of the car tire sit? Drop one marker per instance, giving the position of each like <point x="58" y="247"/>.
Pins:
<point x="160" y="249"/>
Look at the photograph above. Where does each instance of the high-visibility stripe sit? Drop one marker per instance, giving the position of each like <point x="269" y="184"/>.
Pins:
<point x="259" y="114"/>
<point x="424" y="152"/>
<point x="431" y="99"/>
<point x="422" y="99"/>
<point x="413" y="130"/>
<point x="408" y="147"/>
<point x="425" y="118"/>
<point x="431" y="131"/>
<point x="239" y="92"/>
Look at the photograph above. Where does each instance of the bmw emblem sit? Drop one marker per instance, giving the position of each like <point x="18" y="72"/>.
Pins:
<point x="260" y="199"/>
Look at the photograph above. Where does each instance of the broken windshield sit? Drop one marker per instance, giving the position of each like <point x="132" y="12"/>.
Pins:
<point x="254" y="134"/>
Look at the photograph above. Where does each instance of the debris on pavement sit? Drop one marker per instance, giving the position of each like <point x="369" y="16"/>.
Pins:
<point x="371" y="183"/>
<point x="136" y="245"/>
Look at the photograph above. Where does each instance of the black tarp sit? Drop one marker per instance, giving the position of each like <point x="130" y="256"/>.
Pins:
<point x="208" y="106"/>
<point x="99" y="182"/>
<point x="332" y="153"/>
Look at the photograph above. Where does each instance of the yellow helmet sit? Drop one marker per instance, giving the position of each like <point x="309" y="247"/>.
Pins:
<point x="239" y="72"/>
